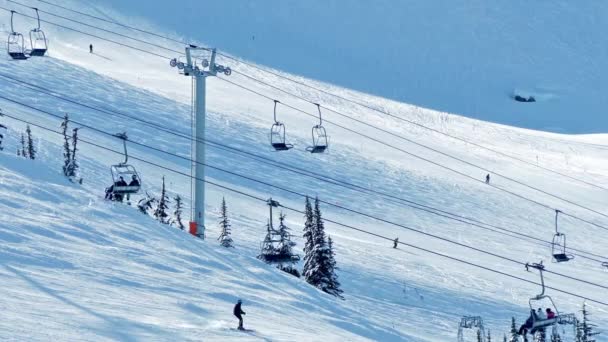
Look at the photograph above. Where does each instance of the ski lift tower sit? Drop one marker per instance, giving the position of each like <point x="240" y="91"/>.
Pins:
<point x="199" y="64"/>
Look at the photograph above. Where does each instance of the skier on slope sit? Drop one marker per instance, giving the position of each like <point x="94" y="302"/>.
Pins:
<point x="488" y="178"/>
<point x="237" y="312"/>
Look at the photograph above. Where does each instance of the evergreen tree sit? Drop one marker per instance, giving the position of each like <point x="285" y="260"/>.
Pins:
<point x="73" y="169"/>
<point x="163" y="205"/>
<point x="23" y="151"/>
<point x="541" y="335"/>
<point x="504" y="338"/>
<point x="479" y="339"/>
<point x="177" y="213"/>
<point x="513" y="336"/>
<point x="309" y="262"/>
<point x="2" y="135"/>
<point x="31" y="150"/>
<point x="285" y="245"/>
<point x="224" y="238"/>
<point x="586" y="328"/>
<point x="489" y="336"/>
<point x="334" y="284"/>
<point x="67" y="154"/>
<point x="146" y="204"/>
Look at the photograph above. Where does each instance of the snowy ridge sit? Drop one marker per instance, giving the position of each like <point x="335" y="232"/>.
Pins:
<point x="91" y="268"/>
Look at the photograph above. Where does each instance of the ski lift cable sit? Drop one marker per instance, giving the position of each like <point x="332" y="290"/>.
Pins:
<point x="436" y="163"/>
<point x="394" y="199"/>
<point x="96" y="27"/>
<point x="365" y="123"/>
<point x="506" y="155"/>
<point x="338" y="223"/>
<point x="300" y="83"/>
<point x="412" y="204"/>
<point x="91" y="35"/>
<point x="357" y="212"/>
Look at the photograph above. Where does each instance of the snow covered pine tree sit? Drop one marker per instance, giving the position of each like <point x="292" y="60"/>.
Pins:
<point x="31" y="150"/>
<point x="1" y="134"/>
<point x="163" y="204"/>
<point x="319" y="262"/>
<point x="224" y="223"/>
<point x="177" y="213"/>
<point x="146" y="204"/>
<point x="286" y="248"/>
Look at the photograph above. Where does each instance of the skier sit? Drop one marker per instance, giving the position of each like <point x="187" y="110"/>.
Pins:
<point x="550" y="313"/>
<point x="540" y="315"/>
<point x="395" y="242"/>
<point x="237" y="312"/>
<point x="488" y="178"/>
<point x="90" y="48"/>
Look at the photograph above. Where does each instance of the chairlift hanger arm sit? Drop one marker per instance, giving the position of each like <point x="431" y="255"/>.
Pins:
<point x="275" y="110"/>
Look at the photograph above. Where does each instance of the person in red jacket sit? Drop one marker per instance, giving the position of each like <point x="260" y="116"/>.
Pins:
<point x="550" y="314"/>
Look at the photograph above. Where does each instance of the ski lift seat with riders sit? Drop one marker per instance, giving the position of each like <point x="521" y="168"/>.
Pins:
<point x="558" y="245"/>
<point x="277" y="133"/>
<point x="320" y="142"/>
<point x="38" y="41"/>
<point x="539" y="323"/>
<point x="16" y="43"/>
<point x="125" y="172"/>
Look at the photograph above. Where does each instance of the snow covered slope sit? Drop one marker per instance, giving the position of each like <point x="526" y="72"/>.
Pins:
<point x="99" y="270"/>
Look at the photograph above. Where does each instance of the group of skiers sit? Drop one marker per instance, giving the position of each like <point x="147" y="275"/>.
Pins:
<point x="535" y="316"/>
<point x="115" y="196"/>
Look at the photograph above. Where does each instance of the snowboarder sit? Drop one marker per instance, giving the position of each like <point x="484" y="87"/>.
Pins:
<point x="237" y="312"/>
<point x="90" y="48"/>
<point x="488" y="178"/>
<point x="395" y="242"/>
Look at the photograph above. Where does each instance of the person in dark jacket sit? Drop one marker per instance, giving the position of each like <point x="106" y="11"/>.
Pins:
<point x="90" y="48"/>
<point x="120" y="182"/>
<point x="134" y="181"/>
<point x="488" y="178"/>
<point x="523" y="330"/>
<point x="238" y="311"/>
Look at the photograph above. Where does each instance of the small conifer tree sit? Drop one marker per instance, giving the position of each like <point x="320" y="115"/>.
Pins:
<point x="334" y="284"/>
<point x="146" y="204"/>
<point x="2" y="127"/>
<point x="23" y="151"/>
<point x="163" y="205"/>
<point x="224" y="223"/>
<point x="309" y="262"/>
<point x="585" y="327"/>
<point x="513" y="333"/>
<point x="177" y="213"/>
<point x="31" y="149"/>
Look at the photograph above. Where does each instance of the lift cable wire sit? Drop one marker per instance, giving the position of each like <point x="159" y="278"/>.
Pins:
<point x="307" y="173"/>
<point x="276" y="74"/>
<point x="388" y="132"/>
<point x="99" y="28"/>
<point x="243" y="193"/>
<point x="91" y="35"/>
<point x="429" y="160"/>
<point x="357" y="212"/>
<point x="506" y="155"/>
<point x="363" y="122"/>
<point x="347" y="116"/>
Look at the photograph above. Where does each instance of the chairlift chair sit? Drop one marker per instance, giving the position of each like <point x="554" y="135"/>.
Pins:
<point x="16" y="43"/>
<point x="319" y="136"/>
<point x="558" y="245"/>
<point x="124" y="171"/>
<point x="38" y="41"/>
<point x="537" y="323"/>
<point x="277" y="133"/>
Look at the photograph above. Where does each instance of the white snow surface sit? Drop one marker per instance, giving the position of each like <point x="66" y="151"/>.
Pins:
<point x="76" y="267"/>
